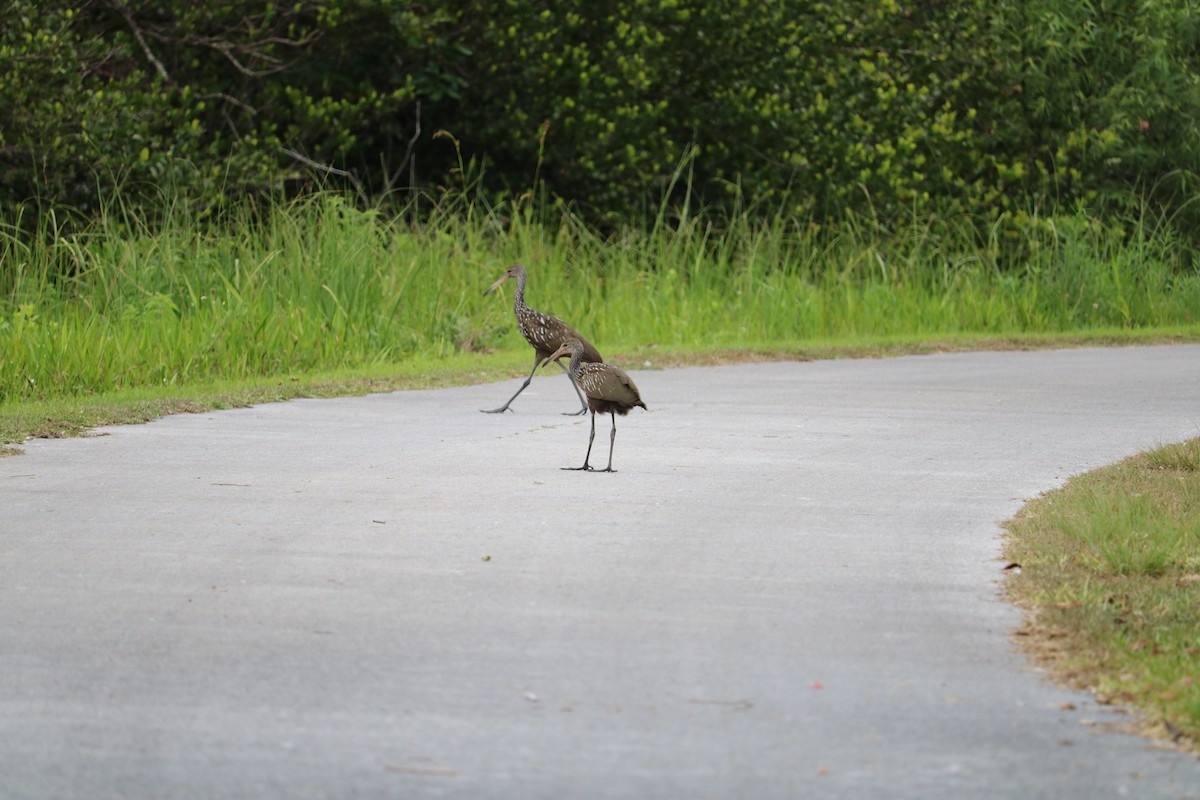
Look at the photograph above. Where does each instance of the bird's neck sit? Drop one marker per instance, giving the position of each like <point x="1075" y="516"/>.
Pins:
<point x="576" y="358"/>
<point x="519" y="295"/>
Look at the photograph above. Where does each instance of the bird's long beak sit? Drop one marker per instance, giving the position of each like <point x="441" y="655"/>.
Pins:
<point x="559" y="353"/>
<point x="496" y="285"/>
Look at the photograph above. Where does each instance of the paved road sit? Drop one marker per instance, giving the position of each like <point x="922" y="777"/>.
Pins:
<point x="788" y="590"/>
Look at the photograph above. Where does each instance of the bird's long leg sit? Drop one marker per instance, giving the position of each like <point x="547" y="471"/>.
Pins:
<point x="612" y="439"/>
<point x="504" y="407"/>
<point x="582" y="403"/>
<point x="589" y="450"/>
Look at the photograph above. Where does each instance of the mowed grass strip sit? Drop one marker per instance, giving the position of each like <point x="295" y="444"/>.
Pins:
<point x="1110" y="583"/>
<point x="63" y="417"/>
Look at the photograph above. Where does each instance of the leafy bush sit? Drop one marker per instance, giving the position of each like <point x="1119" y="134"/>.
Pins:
<point x="816" y="109"/>
<point x="212" y="99"/>
<point x="1103" y="99"/>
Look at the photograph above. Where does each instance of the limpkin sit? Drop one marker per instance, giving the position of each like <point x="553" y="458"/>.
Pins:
<point x="545" y="333"/>
<point x="609" y="390"/>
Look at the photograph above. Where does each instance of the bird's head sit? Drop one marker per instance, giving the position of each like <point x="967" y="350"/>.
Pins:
<point x="512" y="273"/>
<point x="567" y="348"/>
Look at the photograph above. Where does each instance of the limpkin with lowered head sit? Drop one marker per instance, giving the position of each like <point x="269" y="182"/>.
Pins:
<point x="545" y="333"/>
<point x="609" y="390"/>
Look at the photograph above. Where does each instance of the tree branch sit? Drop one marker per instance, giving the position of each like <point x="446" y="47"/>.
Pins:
<point x="327" y="169"/>
<point x="141" y="40"/>
<point x="412" y="165"/>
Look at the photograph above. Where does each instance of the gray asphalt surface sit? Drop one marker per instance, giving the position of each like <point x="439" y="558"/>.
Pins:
<point x="789" y="589"/>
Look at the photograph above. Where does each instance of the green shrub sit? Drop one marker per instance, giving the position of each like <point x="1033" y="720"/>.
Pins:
<point x="814" y="109"/>
<point x="1103" y="101"/>
<point x="208" y="99"/>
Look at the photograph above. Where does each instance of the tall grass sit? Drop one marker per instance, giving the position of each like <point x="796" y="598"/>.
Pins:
<point x="320" y="284"/>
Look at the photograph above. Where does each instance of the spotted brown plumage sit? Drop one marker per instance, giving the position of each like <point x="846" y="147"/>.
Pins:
<point x="609" y="390"/>
<point x="544" y="332"/>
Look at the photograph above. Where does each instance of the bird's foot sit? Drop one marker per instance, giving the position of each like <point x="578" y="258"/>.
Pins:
<point x="606" y="469"/>
<point x="584" y="468"/>
<point x="578" y="413"/>
<point x="495" y="410"/>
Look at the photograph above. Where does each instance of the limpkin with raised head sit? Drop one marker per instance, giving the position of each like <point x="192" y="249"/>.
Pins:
<point x="545" y="333"/>
<point x="609" y="390"/>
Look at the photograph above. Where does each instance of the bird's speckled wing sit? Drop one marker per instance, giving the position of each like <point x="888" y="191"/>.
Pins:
<point x="606" y="382"/>
<point x="542" y="331"/>
<point x="547" y="333"/>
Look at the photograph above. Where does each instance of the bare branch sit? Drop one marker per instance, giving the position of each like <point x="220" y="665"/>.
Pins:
<point x="326" y="168"/>
<point x="239" y="54"/>
<point x="231" y="51"/>
<point x="408" y="154"/>
<point x="249" y="109"/>
<point x="141" y="40"/>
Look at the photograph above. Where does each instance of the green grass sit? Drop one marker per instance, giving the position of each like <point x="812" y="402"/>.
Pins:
<point x="61" y="417"/>
<point x="318" y="285"/>
<point x="1110" y="580"/>
<point x="74" y="416"/>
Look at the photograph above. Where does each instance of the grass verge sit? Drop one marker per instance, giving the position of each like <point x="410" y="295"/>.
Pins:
<point x="1110" y="586"/>
<point x="56" y="418"/>
<point x="62" y="417"/>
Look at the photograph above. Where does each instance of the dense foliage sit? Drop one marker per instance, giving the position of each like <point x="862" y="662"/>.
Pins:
<point x="811" y="107"/>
